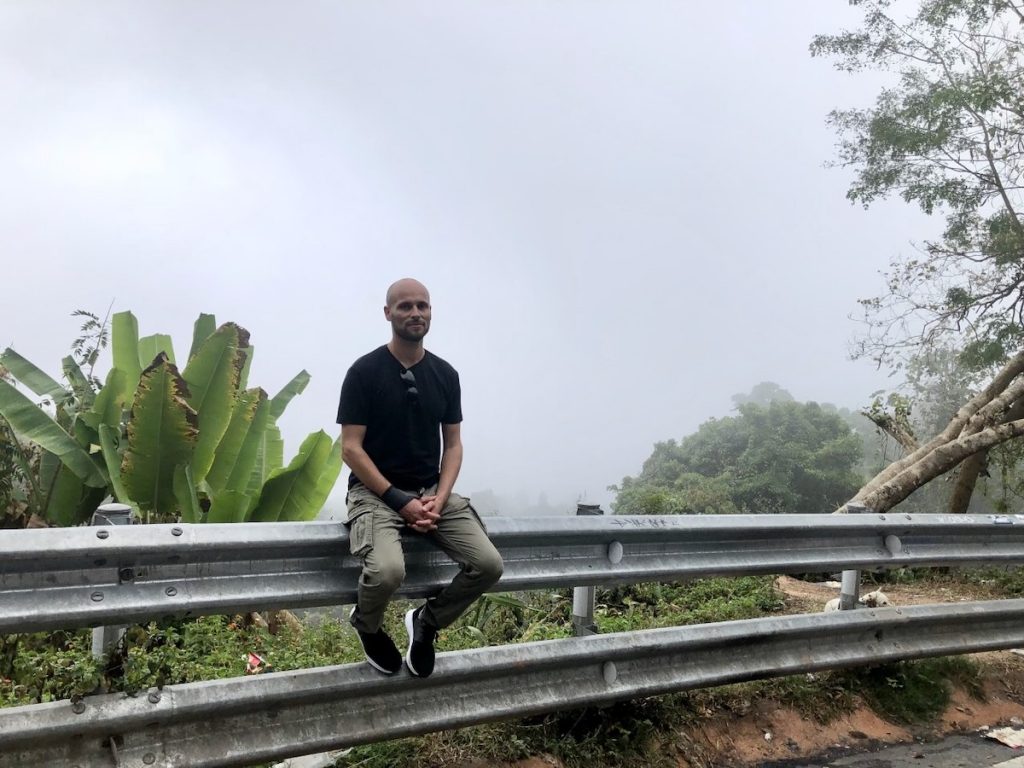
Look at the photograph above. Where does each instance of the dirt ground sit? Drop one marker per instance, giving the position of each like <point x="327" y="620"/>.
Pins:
<point x="770" y="732"/>
<point x="808" y="597"/>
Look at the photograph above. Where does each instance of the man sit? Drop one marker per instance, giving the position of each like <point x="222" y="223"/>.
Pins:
<point x="400" y="414"/>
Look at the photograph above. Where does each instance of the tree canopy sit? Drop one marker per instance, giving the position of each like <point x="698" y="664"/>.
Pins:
<point x="948" y="136"/>
<point x="779" y="457"/>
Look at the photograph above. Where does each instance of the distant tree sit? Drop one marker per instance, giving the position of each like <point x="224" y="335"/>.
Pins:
<point x="782" y="457"/>
<point x="876" y="450"/>
<point x="764" y="393"/>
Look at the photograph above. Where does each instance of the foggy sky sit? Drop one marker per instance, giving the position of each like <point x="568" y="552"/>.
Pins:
<point x="621" y="208"/>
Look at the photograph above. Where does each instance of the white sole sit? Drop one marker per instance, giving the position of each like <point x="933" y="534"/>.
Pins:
<point x="408" y="651"/>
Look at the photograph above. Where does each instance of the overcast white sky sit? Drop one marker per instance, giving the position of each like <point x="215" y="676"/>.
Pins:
<point x="621" y="208"/>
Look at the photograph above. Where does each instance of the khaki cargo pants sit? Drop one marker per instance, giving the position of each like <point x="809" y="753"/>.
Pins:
<point x="375" y="537"/>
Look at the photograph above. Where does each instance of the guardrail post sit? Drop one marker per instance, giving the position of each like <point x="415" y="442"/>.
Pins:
<point x="105" y="638"/>
<point x="849" y="593"/>
<point x="583" y="597"/>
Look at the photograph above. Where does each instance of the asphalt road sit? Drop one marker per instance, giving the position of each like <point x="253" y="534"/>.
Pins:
<point x="962" y="751"/>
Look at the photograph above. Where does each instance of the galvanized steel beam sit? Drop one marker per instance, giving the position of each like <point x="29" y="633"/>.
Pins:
<point x="68" y="577"/>
<point x="247" y="720"/>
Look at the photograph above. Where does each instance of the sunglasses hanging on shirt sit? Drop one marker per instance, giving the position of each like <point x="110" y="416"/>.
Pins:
<point x="411" y="393"/>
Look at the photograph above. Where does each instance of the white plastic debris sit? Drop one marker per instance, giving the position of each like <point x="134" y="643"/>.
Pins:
<point x="1011" y="737"/>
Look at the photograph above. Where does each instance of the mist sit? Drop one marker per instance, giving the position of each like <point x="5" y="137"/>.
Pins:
<point x="621" y="210"/>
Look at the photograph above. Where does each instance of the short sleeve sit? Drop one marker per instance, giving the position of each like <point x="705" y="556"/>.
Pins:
<point x="353" y="407"/>
<point x="453" y="408"/>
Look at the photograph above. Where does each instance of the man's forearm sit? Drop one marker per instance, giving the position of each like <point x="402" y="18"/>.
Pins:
<point x="359" y="461"/>
<point x="451" y="463"/>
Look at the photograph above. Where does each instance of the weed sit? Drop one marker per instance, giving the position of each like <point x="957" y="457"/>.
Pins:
<point x="388" y="754"/>
<point x="914" y="692"/>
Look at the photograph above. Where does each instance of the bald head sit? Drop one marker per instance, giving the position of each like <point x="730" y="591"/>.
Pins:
<point x="403" y="286"/>
<point x="408" y="310"/>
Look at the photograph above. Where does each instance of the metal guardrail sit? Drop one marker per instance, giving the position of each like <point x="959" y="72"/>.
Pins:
<point x="243" y="721"/>
<point x="68" y="577"/>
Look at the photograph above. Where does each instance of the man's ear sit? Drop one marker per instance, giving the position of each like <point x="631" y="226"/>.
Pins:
<point x="387" y="313"/>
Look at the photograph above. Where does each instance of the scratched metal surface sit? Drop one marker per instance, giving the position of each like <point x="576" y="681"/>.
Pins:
<point x="58" y="578"/>
<point x="246" y="720"/>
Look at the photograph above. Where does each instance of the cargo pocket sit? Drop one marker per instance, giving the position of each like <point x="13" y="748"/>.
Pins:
<point x="360" y="534"/>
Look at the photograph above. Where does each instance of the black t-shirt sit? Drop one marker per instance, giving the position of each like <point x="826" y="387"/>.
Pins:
<point x="403" y="429"/>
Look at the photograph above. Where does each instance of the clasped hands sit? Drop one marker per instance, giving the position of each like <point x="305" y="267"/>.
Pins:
<point x="421" y="514"/>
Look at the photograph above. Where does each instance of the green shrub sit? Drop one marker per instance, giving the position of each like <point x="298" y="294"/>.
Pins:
<point x="916" y="691"/>
<point x="41" y="667"/>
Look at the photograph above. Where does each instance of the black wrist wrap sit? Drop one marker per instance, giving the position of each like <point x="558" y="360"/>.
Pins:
<point x="395" y="498"/>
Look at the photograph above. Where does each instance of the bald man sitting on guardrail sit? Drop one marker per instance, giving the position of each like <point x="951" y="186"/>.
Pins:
<point x="400" y="414"/>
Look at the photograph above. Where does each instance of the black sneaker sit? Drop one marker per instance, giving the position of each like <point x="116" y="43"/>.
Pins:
<point x="420" y="656"/>
<point x="380" y="650"/>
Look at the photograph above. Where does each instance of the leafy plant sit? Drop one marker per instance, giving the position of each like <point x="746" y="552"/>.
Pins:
<point x="93" y="339"/>
<point x="195" y="444"/>
<point x="915" y="692"/>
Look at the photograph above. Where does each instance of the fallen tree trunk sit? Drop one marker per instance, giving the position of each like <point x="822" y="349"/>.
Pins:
<point x="898" y="429"/>
<point x="993" y="416"/>
<point x="966" y="482"/>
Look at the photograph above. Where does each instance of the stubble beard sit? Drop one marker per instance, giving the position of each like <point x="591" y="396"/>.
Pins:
<point x="406" y="335"/>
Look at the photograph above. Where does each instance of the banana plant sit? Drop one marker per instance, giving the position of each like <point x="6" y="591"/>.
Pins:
<point x="194" y="444"/>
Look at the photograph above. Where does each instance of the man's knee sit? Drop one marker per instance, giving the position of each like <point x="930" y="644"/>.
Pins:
<point x="490" y="566"/>
<point x="387" y="577"/>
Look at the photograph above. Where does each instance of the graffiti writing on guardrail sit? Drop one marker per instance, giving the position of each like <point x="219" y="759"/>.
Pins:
<point x="644" y="522"/>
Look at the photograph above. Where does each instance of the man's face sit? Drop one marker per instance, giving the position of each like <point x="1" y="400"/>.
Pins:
<point x="409" y="312"/>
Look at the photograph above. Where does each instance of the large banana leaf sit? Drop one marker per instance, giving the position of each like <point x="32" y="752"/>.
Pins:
<point x="239" y="448"/>
<point x="70" y="501"/>
<point x="151" y="346"/>
<point x="85" y="435"/>
<point x="108" y="407"/>
<point x="124" y="335"/>
<point x="49" y="465"/>
<point x="298" y="492"/>
<point x="249" y="455"/>
<point x="203" y="329"/>
<point x="32" y="377"/>
<point x="212" y="377"/>
<point x="269" y="457"/>
<point x="162" y="433"/>
<point x="31" y="423"/>
<point x="243" y="377"/>
<point x="229" y="507"/>
<point x="185" y="493"/>
<point x="108" y="436"/>
<point x="290" y="390"/>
